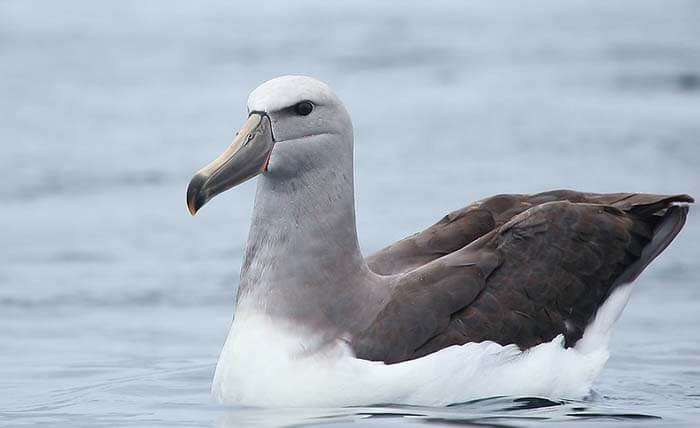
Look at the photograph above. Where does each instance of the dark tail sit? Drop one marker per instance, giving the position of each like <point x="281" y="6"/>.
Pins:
<point x="667" y="219"/>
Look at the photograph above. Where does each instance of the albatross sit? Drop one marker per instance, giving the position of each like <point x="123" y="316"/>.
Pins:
<point x="512" y="295"/>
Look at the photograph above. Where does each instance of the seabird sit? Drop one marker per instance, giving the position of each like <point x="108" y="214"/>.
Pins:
<point x="512" y="295"/>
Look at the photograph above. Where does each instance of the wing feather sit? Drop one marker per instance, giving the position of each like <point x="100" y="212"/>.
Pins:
<point x="546" y="265"/>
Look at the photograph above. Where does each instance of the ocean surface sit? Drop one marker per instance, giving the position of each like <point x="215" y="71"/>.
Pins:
<point x="114" y="302"/>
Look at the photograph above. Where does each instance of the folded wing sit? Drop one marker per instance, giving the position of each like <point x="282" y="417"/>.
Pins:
<point x="515" y="269"/>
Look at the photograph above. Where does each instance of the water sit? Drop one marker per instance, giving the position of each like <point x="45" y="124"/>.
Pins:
<point x="114" y="303"/>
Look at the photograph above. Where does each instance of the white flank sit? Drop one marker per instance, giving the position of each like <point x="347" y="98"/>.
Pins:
<point x="267" y="363"/>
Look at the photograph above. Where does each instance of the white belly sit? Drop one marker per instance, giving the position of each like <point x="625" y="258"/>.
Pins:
<point x="267" y="363"/>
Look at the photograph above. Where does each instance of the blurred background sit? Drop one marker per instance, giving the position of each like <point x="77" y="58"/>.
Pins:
<point x="114" y="302"/>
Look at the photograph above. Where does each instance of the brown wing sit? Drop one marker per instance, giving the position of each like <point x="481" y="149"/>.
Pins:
<point x="543" y="273"/>
<point x="461" y="227"/>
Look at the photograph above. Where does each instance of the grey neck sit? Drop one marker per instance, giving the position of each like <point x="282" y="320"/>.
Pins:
<point x="303" y="262"/>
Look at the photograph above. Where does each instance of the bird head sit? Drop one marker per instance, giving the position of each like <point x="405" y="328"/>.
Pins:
<point x="295" y="124"/>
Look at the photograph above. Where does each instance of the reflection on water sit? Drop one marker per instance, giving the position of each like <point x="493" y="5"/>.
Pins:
<point x="114" y="303"/>
<point x="491" y="412"/>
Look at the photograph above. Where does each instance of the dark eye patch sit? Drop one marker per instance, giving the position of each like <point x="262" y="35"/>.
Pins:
<point x="303" y="108"/>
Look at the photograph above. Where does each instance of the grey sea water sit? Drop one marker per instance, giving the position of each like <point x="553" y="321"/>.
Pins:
<point x="114" y="302"/>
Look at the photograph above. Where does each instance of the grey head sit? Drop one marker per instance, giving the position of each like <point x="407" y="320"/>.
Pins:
<point x="302" y="259"/>
<point x="289" y="121"/>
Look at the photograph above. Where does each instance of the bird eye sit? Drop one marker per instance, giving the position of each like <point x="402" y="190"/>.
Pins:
<point x="303" y="108"/>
